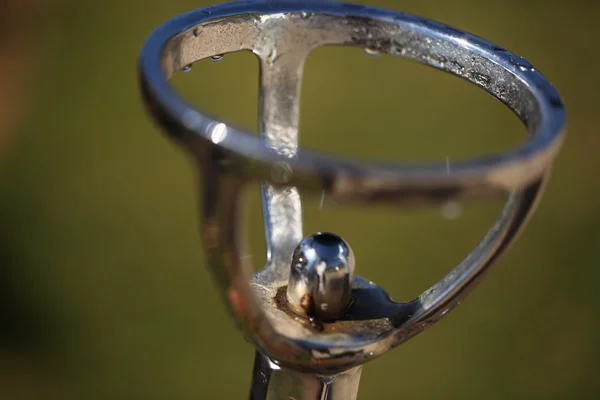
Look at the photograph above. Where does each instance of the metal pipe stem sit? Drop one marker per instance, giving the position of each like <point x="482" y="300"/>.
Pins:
<point x="272" y="382"/>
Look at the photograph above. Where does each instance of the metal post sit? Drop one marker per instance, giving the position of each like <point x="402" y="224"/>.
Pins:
<point x="272" y="382"/>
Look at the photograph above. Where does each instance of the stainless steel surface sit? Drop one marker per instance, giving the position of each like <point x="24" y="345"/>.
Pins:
<point x="273" y="29"/>
<point x="282" y="34"/>
<point x="271" y="382"/>
<point x="321" y="274"/>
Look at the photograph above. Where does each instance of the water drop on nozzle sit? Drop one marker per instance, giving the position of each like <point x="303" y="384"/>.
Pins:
<point x="372" y="53"/>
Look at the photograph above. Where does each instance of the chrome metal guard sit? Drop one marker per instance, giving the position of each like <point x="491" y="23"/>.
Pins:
<point x="282" y="34"/>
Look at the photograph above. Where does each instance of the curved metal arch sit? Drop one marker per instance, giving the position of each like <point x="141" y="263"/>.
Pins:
<point x="282" y="34"/>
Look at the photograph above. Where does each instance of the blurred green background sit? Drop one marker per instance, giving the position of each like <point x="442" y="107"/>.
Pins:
<point x="103" y="291"/>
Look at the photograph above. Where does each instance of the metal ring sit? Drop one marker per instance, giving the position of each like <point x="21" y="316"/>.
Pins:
<point x="282" y="34"/>
<point x="508" y="77"/>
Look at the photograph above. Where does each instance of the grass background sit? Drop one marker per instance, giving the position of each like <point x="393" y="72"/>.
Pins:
<point x="104" y="290"/>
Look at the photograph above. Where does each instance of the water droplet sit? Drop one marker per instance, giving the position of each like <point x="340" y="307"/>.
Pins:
<point x="217" y="57"/>
<point x="187" y="68"/>
<point x="521" y="63"/>
<point x="322" y="200"/>
<point x="197" y="31"/>
<point x="451" y="210"/>
<point x="372" y="53"/>
<point x="305" y="15"/>
<point x="274" y="365"/>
